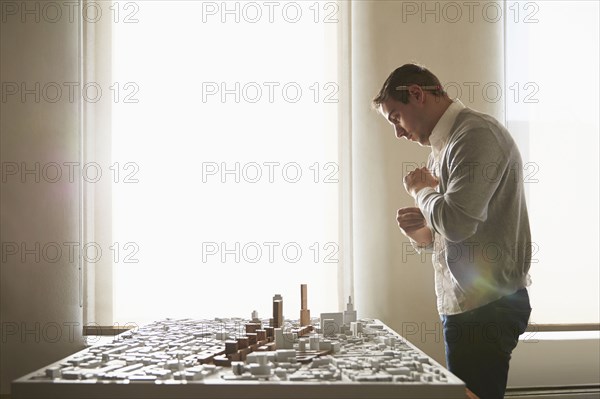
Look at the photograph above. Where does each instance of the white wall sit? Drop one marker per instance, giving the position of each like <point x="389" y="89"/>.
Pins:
<point x="40" y="314"/>
<point x="554" y="359"/>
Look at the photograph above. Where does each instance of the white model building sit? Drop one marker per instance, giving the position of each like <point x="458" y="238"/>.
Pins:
<point x="349" y="313"/>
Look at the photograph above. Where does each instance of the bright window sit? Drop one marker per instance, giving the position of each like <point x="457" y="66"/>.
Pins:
<point x="552" y="110"/>
<point x="234" y="141"/>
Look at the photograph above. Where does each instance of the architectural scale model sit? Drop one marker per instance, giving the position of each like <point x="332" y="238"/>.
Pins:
<point x="336" y="356"/>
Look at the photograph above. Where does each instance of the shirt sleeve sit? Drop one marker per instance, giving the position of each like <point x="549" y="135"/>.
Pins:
<point x="427" y="249"/>
<point x="476" y="164"/>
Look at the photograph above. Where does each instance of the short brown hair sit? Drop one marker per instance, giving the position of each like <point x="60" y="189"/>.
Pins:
<point x="406" y="75"/>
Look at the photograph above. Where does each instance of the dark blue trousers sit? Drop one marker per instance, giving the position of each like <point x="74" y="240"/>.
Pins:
<point x="479" y="343"/>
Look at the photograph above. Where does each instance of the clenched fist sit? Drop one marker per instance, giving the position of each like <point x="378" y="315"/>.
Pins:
<point x="410" y="219"/>
<point x="412" y="224"/>
<point x="418" y="179"/>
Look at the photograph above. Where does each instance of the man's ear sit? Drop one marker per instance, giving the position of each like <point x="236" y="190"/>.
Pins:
<point x="416" y="92"/>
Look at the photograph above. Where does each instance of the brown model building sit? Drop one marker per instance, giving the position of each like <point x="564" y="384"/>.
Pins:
<point x="304" y="312"/>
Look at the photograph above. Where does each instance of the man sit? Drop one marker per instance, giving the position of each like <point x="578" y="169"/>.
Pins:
<point x="471" y="215"/>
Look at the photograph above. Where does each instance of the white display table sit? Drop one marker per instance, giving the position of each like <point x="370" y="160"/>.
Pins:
<point x="219" y="359"/>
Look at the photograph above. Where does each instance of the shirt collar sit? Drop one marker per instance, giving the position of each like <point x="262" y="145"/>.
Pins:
<point x="441" y="131"/>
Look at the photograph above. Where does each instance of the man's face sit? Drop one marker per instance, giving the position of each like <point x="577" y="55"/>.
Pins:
<point x="405" y="120"/>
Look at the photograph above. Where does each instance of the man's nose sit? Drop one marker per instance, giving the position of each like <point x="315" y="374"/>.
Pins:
<point x="399" y="131"/>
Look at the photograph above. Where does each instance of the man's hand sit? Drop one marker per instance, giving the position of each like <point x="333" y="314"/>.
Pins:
<point x="412" y="224"/>
<point x="410" y="219"/>
<point x="418" y="179"/>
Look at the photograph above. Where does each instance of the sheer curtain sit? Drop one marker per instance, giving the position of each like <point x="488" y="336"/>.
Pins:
<point x="225" y="158"/>
<point x="552" y="110"/>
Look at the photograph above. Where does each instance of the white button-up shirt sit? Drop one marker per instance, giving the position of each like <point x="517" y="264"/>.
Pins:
<point x="447" y="302"/>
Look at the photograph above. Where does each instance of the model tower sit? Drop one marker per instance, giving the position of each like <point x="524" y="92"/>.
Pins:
<point x="304" y="312"/>
<point x="277" y="311"/>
